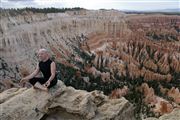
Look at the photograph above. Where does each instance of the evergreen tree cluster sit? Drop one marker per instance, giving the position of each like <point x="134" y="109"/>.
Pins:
<point x="15" y="11"/>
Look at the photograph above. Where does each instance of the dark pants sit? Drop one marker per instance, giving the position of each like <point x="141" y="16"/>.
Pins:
<point x="42" y="81"/>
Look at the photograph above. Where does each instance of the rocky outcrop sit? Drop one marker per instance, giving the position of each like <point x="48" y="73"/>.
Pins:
<point x="141" y="58"/>
<point x="175" y="115"/>
<point x="175" y="94"/>
<point x="158" y="104"/>
<point x="118" y="93"/>
<point x="62" y="102"/>
<point x="149" y="56"/>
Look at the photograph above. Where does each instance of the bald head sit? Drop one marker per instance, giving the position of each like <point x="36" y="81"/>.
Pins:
<point x="43" y="54"/>
<point x="43" y="51"/>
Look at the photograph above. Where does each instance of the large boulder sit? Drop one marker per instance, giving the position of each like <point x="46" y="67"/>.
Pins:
<point x="62" y="103"/>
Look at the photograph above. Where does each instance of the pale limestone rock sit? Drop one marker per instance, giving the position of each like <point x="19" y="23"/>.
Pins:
<point x="33" y="104"/>
<point x="115" y="109"/>
<point x="174" y="115"/>
<point x="10" y="93"/>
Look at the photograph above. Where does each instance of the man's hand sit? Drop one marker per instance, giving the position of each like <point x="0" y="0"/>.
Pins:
<point x="23" y="80"/>
<point x="47" y="83"/>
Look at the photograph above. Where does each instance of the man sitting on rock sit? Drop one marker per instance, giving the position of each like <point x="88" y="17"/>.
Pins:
<point x="48" y="69"/>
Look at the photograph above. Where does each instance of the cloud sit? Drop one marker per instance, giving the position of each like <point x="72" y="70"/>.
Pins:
<point x="124" y="4"/>
<point x="94" y="4"/>
<point x="49" y="3"/>
<point x="17" y="3"/>
<point x="19" y="0"/>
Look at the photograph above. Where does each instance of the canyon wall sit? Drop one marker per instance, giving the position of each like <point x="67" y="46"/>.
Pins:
<point x="22" y="35"/>
<point x="120" y="54"/>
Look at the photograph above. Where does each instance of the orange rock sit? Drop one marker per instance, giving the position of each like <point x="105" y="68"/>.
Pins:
<point x="118" y="93"/>
<point x="175" y="94"/>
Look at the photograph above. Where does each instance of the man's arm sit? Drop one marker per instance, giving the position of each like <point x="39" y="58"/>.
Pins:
<point x="53" y="73"/>
<point x="36" y="71"/>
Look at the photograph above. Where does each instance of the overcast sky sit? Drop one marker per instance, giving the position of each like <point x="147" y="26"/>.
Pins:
<point x="95" y="4"/>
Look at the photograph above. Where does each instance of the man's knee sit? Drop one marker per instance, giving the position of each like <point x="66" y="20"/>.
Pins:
<point x="53" y="83"/>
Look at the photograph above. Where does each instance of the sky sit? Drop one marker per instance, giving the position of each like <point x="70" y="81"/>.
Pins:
<point x="94" y="4"/>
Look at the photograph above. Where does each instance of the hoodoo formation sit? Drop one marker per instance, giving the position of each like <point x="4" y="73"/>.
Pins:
<point x="134" y="59"/>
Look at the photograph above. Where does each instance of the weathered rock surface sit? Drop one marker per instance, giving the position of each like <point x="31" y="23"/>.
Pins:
<point x="175" y="115"/>
<point x="62" y="103"/>
<point x="161" y="106"/>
